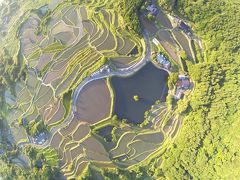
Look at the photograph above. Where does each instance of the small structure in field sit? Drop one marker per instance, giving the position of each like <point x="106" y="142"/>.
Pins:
<point x="163" y="61"/>
<point x="183" y="84"/>
<point x="176" y="19"/>
<point x="40" y="138"/>
<point x="184" y="27"/>
<point x="153" y="10"/>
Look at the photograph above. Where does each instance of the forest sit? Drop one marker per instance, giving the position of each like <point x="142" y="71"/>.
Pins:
<point x="129" y="9"/>
<point x="208" y="143"/>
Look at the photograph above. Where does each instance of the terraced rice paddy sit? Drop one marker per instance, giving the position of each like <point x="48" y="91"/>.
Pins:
<point x="170" y="51"/>
<point x="166" y="37"/>
<point x="163" y="34"/>
<point x="61" y="50"/>
<point x="184" y="42"/>
<point x="105" y="132"/>
<point x="163" y="19"/>
<point x="151" y="27"/>
<point x="64" y="51"/>
<point x="122" y="61"/>
<point x="170" y="37"/>
<point x="78" y="146"/>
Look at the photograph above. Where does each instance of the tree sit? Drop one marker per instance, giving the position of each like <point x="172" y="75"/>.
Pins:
<point x="172" y="79"/>
<point x="150" y="17"/>
<point x="136" y="98"/>
<point x="115" y="118"/>
<point x="169" y="101"/>
<point x="103" y="59"/>
<point x="113" y="133"/>
<point x="183" y="55"/>
<point x="143" y="8"/>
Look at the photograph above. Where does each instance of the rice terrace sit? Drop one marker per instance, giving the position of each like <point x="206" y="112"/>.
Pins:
<point x="98" y="89"/>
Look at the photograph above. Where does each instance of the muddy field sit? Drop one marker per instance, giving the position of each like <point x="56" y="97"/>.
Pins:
<point x="94" y="102"/>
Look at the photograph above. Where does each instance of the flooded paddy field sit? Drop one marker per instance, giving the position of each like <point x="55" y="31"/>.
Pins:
<point x="150" y="27"/>
<point x="163" y="19"/>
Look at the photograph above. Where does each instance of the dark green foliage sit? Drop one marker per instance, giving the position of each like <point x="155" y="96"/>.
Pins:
<point x="40" y="168"/>
<point x="172" y="79"/>
<point x="129" y="10"/>
<point x="151" y="17"/>
<point x="67" y="100"/>
<point x="183" y="65"/>
<point x="168" y="4"/>
<point x="113" y="133"/>
<point x="169" y="101"/>
<point x="116" y="174"/>
<point x="35" y="127"/>
<point x="207" y="146"/>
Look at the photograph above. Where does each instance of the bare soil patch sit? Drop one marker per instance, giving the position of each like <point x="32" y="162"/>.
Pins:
<point x="94" y="102"/>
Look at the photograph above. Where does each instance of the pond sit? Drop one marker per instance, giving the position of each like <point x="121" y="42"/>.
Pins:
<point x="149" y="84"/>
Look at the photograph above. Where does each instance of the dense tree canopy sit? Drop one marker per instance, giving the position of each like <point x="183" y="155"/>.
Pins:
<point x="129" y="10"/>
<point x="207" y="145"/>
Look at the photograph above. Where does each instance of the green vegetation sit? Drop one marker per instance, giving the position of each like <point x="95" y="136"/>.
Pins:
<point x="113" y="133"/>
<point x="209" y="133"/>
<point x="207" y="145"/>
<point x="169" y="101"/>
<point x="136" y="98"/>
<point x="151" y="17"/>
<point x="44" y="57"/>
<point x="146" y="120"/>
<point x="43" y="164"/>
<point x="36" y="127"/>
<point x="129" y="10"/>
<point x="67" y="101"/>
<point x="43" y="62"/>
<point x="172" y="79"/>
<point x="198" y="52"/>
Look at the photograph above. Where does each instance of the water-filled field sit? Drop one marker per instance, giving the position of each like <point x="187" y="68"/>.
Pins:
<point x="164" y="20"/>
<point x="183" y="41"/>
<point x="149" y="84"/>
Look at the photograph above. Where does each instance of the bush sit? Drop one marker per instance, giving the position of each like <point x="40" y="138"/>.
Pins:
<point x="169" y="101"/>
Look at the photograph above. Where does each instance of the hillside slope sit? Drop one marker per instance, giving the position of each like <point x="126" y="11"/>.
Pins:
<point x="208" y="144"/>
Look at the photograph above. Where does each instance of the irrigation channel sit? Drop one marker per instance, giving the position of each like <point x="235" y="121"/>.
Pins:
<point x="122" y="72"/>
